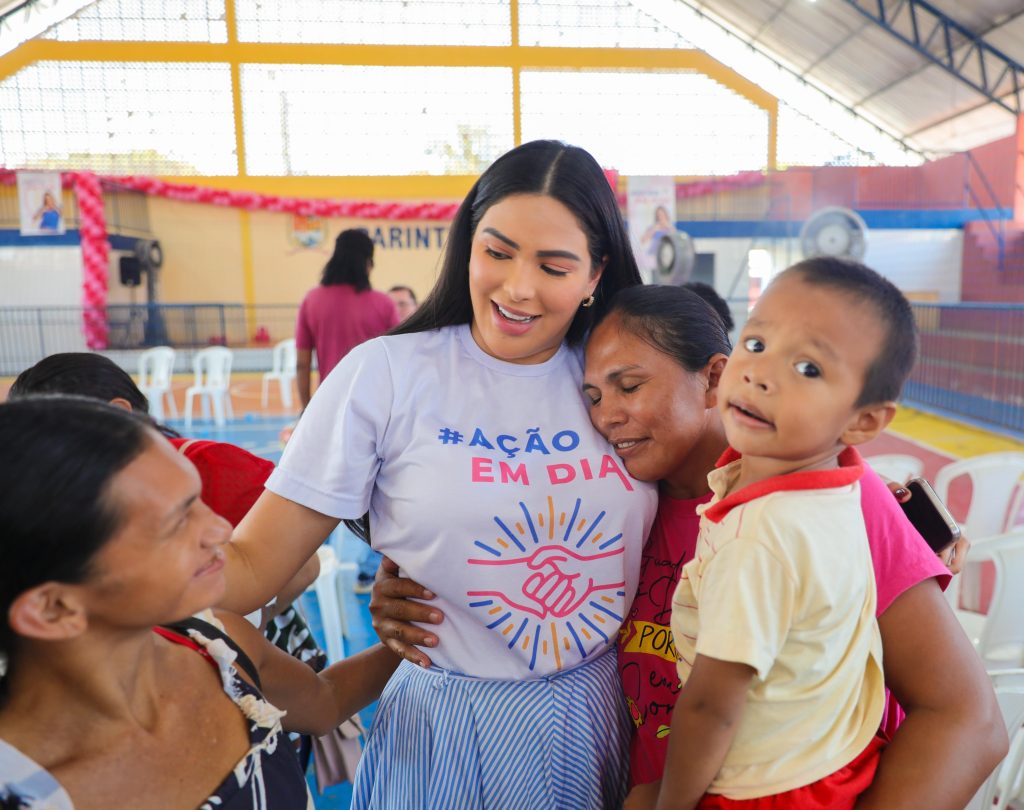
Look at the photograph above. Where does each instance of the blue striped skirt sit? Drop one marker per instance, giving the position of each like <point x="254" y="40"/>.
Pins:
<point x="442" y="741"/>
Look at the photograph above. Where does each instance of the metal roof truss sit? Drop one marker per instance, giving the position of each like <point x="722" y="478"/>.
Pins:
<point x="943" y="41"/>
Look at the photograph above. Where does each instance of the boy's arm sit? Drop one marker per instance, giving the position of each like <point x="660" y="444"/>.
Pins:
<point x="704" y="723"/>
<point x="315" y="702"/>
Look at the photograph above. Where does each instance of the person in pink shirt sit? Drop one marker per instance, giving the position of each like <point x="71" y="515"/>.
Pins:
<point x="652" y="370"/>
<point x="342" y="311"/>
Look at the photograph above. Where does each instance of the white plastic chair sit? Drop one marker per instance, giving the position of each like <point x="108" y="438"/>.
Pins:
<point x="212" y="384"/>
<point x="330" y="588"/>
<point x="998" y="634"/>
<point x="1005" y="787"/>
<point x="1007" y="679"/>
<point x="1001" y="641"/>
<point x="995" y="502"/>
<point x="995" y="491"/>
<point x="156" y="366"/>
<point x="897" y="467"/>
<point x="283" y="370"/>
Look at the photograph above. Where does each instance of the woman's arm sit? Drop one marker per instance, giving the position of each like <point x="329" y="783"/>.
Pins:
<point x="270" y="545"/>
<point x="953" y="735"/>
<point x="315" y="702"/>
<point x="293" y="589"/>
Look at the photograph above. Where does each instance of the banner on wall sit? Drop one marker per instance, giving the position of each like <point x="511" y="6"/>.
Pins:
<point x="651" y="212"/>
<point x="307" y="233"/>
<point x="39" y="204"/>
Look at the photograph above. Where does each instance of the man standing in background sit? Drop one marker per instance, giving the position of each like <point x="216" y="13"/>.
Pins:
<point x="405" y="300"/>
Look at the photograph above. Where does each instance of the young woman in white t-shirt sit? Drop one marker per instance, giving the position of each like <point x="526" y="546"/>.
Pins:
<point x="464" y="434"/>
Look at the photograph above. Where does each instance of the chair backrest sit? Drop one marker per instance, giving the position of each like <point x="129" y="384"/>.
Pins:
<point x="995" y="484"/>
<point x="1007" y="679"/>
<point x="212" y="367"/>
<point x="156" y="366"/>
<point x="285" y="357"/>
<point x="1002" y="635"/>
<point x="896" y="466"/>
<point x="1006" y="784"/>
<point x="326" y="589"/>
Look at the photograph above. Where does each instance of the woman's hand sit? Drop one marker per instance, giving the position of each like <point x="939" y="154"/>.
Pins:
<point x="953" y="557"/>
<point x="393" y="611"/>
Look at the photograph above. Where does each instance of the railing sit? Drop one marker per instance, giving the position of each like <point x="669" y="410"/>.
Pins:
<point x="971" y="363"/>
<point x="996" y="225"/>
<point x="28" y="334"/>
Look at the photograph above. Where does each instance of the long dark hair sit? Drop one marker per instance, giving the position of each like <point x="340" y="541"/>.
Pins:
<point x="59" y="457"/>
<point x="83" y="374"/>
<point x="565" y="173"/>
<point x="350" y="262"/>
<point x="674" y="320"/>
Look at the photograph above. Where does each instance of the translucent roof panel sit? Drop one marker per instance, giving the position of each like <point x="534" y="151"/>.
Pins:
<point x="637" y="122"/>
<point x="119" y="118"/>
<point x="145" y="21"/>
<point x="365" y="120"/>
<point x="377" y="22"/>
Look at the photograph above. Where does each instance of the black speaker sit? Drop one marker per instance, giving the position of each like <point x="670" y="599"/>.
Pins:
<point x="131" y="271"/>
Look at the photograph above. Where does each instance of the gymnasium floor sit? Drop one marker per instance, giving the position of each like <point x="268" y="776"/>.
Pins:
<point x="934" y="439"/>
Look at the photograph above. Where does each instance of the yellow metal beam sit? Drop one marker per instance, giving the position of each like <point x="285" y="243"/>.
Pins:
<point x="245" y="223"/>
<point x="407" y="187"/>
<point x="248" y="271"/>
<point x="236" y="90"/>
<point x="514" y="56"/>
<point x="523" y="58"/>
<point x="517" y="112"/>
<point x="773" y="135"/>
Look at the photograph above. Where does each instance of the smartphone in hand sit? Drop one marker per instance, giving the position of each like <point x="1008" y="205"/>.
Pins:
<point x="930" y="516"/>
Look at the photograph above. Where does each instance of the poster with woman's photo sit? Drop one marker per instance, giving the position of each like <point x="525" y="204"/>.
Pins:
<point x="40" y="204"/>
<point x="651" y="212"/>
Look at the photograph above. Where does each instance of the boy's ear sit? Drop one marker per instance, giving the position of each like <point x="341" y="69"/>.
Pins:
<point x="713" y="374"/>
<point x="48" y="612"/>
<point x="868" y="422"/>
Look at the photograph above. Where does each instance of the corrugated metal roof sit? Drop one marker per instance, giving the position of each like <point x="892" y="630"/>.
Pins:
<point x="864" y="66"/>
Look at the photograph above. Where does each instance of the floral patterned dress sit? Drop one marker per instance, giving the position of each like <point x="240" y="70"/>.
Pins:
<point x="267" y="777"/>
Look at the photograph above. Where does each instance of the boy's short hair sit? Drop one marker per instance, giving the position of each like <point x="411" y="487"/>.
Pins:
<point x="887" y="373"/>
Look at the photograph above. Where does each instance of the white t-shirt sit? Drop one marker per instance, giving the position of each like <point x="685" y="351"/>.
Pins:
<point x="486" y="483"/>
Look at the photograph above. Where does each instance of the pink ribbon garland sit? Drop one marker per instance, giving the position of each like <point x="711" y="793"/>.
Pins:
<point x="253" y="201"/>
<point x="702" y="188"/>
<point x="93" y="225"/>
<point x="95" y="253"/>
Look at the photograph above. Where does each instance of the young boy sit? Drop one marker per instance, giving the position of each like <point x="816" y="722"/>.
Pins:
<point x="773" y="620"/>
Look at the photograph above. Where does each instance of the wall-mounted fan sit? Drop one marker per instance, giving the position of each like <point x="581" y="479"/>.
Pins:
<point x="834" y="231"/>
<point x="674" y="257"/>
<point x="149" y="253"/>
